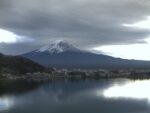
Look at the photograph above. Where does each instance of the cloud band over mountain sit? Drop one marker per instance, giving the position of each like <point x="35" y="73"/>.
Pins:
<point x="86" y="23"/>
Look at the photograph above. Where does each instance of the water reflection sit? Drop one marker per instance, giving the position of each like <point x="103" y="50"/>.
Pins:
<point x="75" y="97"/>
<point x="133" y="89"/>
<point x="5" y="103"/>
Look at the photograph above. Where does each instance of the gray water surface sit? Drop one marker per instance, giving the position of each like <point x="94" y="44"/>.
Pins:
<point x="89" y="96"/>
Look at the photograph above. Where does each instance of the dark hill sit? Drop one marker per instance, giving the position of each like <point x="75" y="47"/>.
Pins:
<point x="18" y="65"/>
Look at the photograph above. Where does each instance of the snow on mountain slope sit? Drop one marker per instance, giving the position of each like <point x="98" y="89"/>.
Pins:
<point x="60" y="54"/>
<point x="57" y="47"/>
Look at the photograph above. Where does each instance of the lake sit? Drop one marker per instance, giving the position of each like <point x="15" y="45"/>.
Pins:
<point x="88" y="96"/>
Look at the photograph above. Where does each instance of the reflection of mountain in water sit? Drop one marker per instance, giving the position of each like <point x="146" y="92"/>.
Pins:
<point x="75" y="97"/>
<point x="63" y="90"/>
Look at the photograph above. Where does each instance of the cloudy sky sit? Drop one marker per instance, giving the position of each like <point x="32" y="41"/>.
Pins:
<point x="120" y="28"/>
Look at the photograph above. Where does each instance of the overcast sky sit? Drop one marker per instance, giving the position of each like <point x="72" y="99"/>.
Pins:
<point x="28" y="24"/>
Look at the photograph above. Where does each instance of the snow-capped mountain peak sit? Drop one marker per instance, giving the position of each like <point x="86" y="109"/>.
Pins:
<point x="58" y="47"/>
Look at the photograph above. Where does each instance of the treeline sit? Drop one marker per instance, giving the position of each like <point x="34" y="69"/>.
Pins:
<point x="19" y="65"/>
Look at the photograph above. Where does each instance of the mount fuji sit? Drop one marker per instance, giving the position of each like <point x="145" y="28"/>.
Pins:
<point x="61" y="54"/>
<point x="59" y="46"/>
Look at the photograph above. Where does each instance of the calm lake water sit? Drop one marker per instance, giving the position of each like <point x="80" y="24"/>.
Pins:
<point x="89" y="96"/>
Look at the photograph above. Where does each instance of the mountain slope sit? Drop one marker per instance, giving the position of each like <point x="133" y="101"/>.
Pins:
<point x="64" y="55"/>
<point x="18" y="65"/>
<point x="57" y="47"/>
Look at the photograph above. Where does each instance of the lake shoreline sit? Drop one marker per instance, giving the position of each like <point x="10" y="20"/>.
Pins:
<point x="76" y="75"/>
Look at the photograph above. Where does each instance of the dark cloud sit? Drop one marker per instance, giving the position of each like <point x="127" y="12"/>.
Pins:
<point x="86" y="23"/>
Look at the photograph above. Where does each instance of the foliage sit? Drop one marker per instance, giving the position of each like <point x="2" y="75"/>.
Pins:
<point x="18" y="65"/>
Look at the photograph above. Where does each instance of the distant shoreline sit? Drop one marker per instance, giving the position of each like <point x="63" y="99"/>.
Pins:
<point x="77" y="75"/>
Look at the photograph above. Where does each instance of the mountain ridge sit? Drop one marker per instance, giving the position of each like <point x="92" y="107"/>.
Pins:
<point x="65" y="55"/>
<point x="18" y="65"/>
<point x="58" y="47"/>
